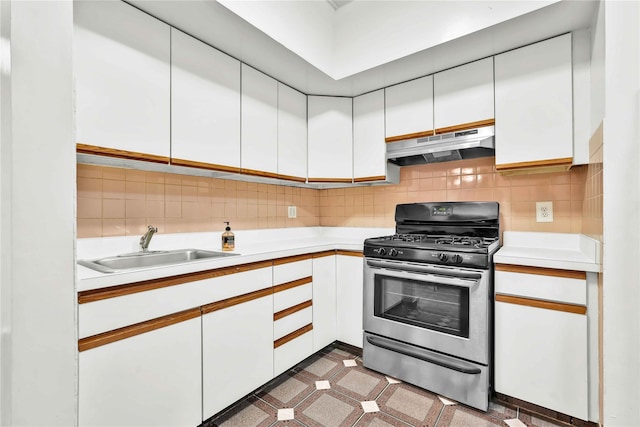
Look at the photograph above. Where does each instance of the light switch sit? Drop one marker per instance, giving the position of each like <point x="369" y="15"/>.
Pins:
<point x="292" y="212"/>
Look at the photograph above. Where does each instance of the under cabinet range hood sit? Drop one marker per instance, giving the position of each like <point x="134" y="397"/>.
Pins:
<point x="466" y="144"/>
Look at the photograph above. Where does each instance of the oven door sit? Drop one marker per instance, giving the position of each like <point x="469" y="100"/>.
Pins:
<point x="440" y="308"/>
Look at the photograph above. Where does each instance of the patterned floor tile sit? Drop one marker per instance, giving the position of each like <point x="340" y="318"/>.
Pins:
<point x="288" y="390"/>
<point x="320" y="367"/>
<point x="410" y="404"/>
<point x="251" y="412"/>
<point x="461" y="416"/>
<point x="328" y="409"/>
<point x="359" y="383"/>
<point x="380" y="419"/>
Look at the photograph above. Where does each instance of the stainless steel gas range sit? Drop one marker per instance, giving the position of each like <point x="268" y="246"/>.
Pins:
<point x="427" y="298"/>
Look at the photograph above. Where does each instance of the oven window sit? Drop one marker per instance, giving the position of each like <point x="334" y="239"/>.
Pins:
<point x="443" y="308"/>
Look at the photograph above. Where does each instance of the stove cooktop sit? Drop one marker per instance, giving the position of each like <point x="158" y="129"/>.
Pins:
<point x="439" y="241"/>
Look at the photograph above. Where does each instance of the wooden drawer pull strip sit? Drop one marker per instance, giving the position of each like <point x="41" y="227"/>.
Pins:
<point x="230" y="302"/>
<point x="289" y="311"/>
<point x="466" y="126"/>
<point x="137" y="329"/>
<point x="324" y="254"/>
<point x="290" y="259"/>
<point x="148" y="285"/>
<point x="295" y="283"/>
<point x="292" y="336"/>
<point x="569" y="274"/>
<point x="349" y="253"/>
<point x="547" y="305"/>
<point x="565" y="161"/>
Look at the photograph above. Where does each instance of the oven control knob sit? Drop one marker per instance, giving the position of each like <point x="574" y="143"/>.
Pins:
<point x="382" y="251"/>
<point x="442" y="257"/>
<point x="393" y="252"/>
<point x="456" y="259"/>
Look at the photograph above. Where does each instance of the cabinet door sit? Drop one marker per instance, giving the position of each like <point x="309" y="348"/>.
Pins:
<point x="409" y="108"/>
<point x="330" y="139"/>
<point x="541" y="357"/>
<point x="237" y="352"/>
<point x="369" y="149"/>
<point x="292" y="134"/>
<point x="151" y="379"/>
<point x="205" y="105"/>
<point x="534" y="118"/>
<point x="324" y="301"/>
<point x="349" y="272"/>
<point x="463" y="96"/>
<point x="259" y="122"/>
<point x="122" y="76"/>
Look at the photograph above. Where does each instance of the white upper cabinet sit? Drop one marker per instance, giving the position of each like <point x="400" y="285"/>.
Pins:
<point x="259" y="123"/>
<point x="534" y="118"/>
<point x="292" y="134"/>
<point x="330" y="139"/>
<point x="463" y="96"/>
<point x="369" y="161"/>
<point x="122" y="73"/>
<point x="205" y="105"/>
<point x="409" y="108"/>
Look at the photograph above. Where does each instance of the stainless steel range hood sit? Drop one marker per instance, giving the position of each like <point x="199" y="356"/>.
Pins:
<point x="466" y="144"/>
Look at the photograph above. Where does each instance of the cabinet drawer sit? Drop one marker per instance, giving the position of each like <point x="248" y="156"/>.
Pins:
<point x="284" y="273"/>
<point x="292" y="322"/>
<point x="549" y="288"/>
<point x="112" y="313"/>
<point x="291" y="353"/>
<point x="291" y="297"/>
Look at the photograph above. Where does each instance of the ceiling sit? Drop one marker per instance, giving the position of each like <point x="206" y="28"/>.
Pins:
<point x="217" y="25"/>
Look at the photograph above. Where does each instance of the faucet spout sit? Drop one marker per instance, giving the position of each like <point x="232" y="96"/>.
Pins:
<point x="146" y="238"/>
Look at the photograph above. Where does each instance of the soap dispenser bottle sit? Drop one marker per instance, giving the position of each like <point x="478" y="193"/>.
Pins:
<point x="228" y="239"/>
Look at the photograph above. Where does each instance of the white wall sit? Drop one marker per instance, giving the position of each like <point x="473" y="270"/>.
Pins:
<point x="37" y="218"/>
<point x="621" y="288"/>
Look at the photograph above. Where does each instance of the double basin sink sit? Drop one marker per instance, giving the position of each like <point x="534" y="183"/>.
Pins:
<point x="138" y="260"/>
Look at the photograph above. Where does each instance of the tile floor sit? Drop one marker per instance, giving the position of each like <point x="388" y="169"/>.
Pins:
<point x="333" y="389"/>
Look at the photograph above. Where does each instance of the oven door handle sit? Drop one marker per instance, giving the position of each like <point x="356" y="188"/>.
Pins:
<point x="427" y="356"/>
<point x="440" y="276"/>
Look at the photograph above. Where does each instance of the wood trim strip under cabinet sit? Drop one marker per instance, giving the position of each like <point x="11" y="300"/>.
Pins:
<point x="120" y="154"/>
<point x="148" y="285"/>
<point x="292" y="178"/>
<point x="230" y="302"/>
<point x="547" y="305"/>
<point x="259" y="173"/>
<point x="347" y="180"/>
<point x="524" y="269"/>
<point x="370" y="178"/>
<point x="349" y="253"/>
<point x="289" y="311"/>
<point x="566" y="161"/>
<point x="202" y="165"/>
<point x="292" y="336"/>
<point x="409" y="136"/>
<point x="289" y="259"/>
<point x="137" y="329"/>
<point x="293" y="284"/>
<point x="465" y="126"/>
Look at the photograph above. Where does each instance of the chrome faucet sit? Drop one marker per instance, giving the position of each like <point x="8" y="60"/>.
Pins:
<point x="146" y="238"/>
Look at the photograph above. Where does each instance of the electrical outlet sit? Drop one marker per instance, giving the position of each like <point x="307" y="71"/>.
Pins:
<point x="292" y="212"/>
<point x="544" y="211"/>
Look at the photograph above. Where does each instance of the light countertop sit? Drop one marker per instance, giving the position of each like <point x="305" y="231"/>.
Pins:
<point x="251" y="245"/>
<point x="550" y="250"/>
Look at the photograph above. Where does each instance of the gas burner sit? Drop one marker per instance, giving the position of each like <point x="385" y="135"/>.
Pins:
<point x="476" y="242"/>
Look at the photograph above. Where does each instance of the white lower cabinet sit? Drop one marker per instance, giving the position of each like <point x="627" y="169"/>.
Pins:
<point x="237" y="352"/>
<point x="324" y="301"/>
<point x="292" y="352"/>
<point x="349" y="272"/>
<point x="151" y="379"/>
<point x="542" y="341"/>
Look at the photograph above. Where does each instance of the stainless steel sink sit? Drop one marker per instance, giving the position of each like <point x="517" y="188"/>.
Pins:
<point x="137" y="260"/>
